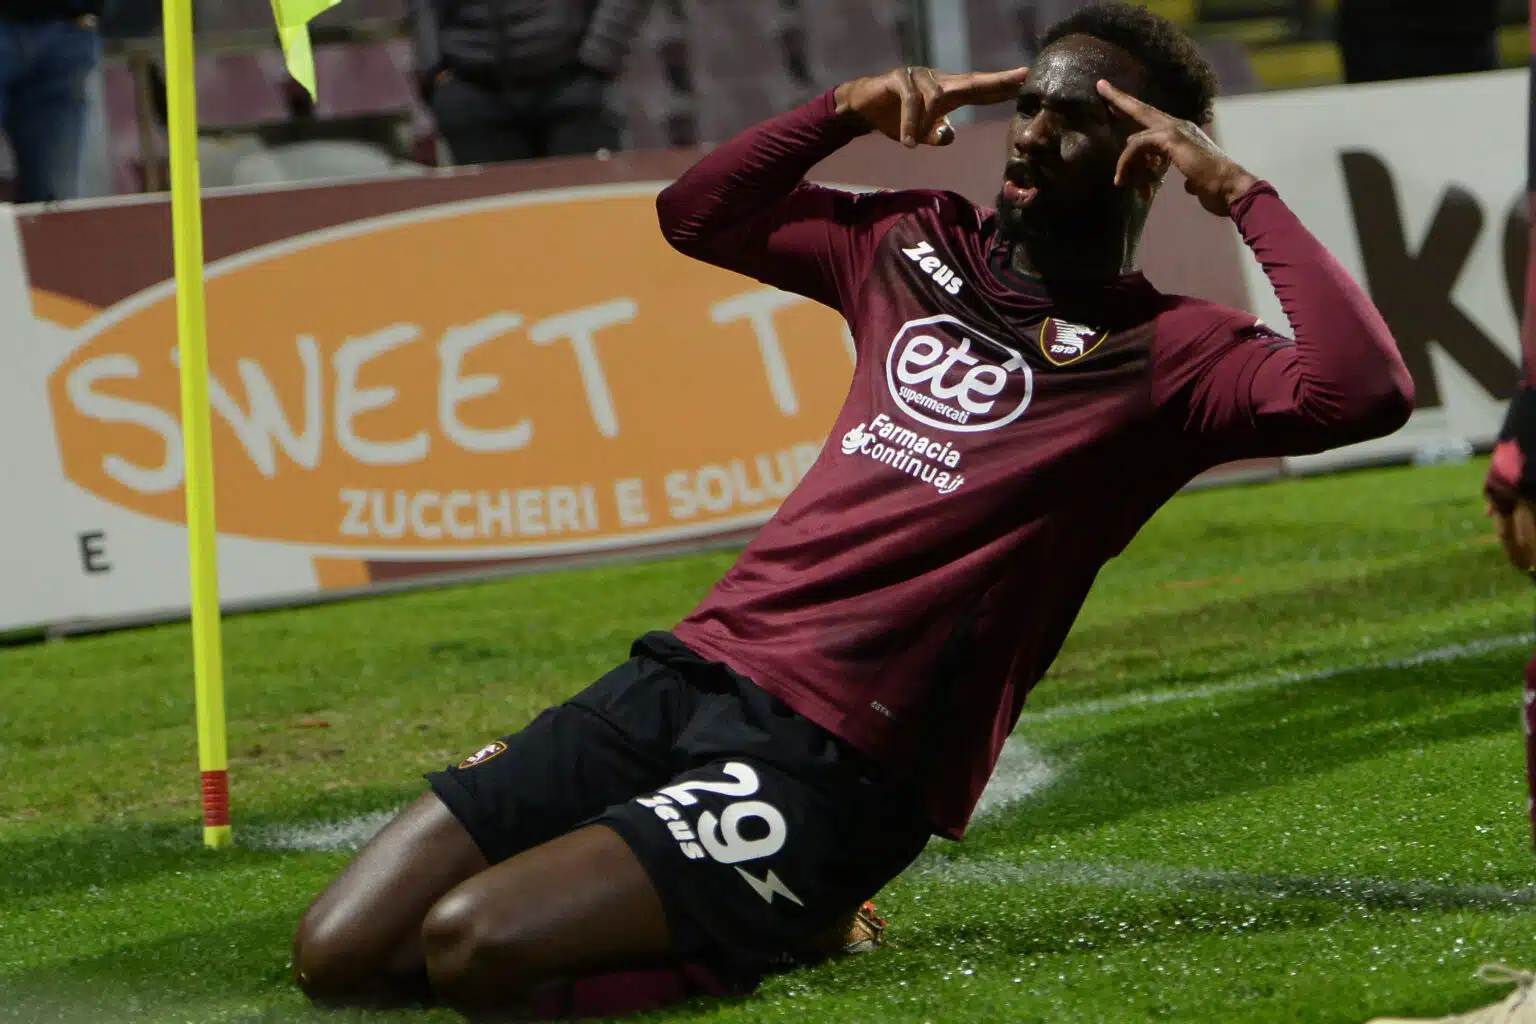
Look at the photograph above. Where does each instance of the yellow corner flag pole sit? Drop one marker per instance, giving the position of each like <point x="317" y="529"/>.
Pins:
<point x="191" y="331"/>
<point x="292" y="18"/>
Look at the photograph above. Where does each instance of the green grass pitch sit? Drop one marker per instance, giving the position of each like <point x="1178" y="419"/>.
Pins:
<point x="1239" y="795"/>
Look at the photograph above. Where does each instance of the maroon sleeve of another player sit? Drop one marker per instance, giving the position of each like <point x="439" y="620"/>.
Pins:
<point x="746" y="207"/>
<point x="1247" y="391"/>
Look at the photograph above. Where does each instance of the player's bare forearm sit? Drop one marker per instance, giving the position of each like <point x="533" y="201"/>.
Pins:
<point x="1345" y="378"/>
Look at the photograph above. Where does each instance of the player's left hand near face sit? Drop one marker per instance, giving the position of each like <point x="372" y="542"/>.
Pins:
<point x="1209" y="174"/>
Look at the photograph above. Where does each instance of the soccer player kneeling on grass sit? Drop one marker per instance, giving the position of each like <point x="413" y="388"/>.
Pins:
<point x="1023" y="401"/>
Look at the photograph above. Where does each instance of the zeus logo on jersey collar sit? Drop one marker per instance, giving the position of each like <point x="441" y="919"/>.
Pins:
<point x="948" y="375"/>
<point x="1064" y="342"/>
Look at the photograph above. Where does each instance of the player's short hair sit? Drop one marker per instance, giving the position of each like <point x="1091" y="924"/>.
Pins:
<point x="1177" y="71"/>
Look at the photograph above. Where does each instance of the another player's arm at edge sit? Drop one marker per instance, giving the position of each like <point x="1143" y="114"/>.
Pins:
<point x="1249" y="394"/>
<point x="1510" y="486"/>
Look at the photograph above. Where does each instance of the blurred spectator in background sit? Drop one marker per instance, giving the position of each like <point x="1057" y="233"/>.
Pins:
<point x="131" y="19"/>
<point x="514" y="79"/>
<point x="1388" y="39"/>
<point x="48" y="49"/>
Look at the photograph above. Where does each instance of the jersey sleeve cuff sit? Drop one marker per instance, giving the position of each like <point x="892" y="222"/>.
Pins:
<point x="1244" y="203"/>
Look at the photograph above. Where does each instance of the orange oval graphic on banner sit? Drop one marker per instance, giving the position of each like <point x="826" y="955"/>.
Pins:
<point x="533" y="374"/>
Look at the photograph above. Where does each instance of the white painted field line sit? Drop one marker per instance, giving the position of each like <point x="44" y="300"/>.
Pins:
<point x="1404" y="893"/>
<point x="1021" y="770"/>
<point x="354" y="832"/>
<point x="1451" y="652"/>
<point x="322" y="836"/>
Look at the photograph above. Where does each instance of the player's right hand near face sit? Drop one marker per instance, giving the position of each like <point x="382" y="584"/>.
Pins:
<point x="911" y="105"/>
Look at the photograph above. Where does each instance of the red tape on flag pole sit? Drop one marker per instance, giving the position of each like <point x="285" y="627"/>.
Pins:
<point x="215" y="799"/>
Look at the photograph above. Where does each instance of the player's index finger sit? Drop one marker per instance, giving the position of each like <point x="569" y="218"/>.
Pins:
<point x="985" y="86"/>
<point x="1143" y="114"/>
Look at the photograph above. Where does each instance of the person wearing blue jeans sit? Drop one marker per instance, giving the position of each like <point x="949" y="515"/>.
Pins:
<point x="48" y="49"/>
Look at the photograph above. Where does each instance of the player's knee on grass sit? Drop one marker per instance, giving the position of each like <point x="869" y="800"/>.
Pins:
<point x="475" y="962"/>
<point x="326" y="966"/>
<point x="334" y="966"/>
<point x="577" y="905"/>
<point x="483" y="961"/>
<point x="358" y="943"/>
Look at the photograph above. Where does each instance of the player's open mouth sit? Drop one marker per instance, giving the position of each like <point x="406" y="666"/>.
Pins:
<point x="1021" y="183"/>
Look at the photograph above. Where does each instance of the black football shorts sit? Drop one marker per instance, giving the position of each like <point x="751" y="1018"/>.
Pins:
<point x="758" y="828"/>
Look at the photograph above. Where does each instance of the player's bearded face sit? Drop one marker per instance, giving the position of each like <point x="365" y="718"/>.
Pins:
<point x="1064" y="144"/>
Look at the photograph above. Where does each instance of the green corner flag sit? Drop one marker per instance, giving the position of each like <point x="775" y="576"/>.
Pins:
<point x="293" y="18"/>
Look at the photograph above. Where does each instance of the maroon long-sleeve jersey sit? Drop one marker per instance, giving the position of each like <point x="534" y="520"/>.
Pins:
<point x="1003" y="437"/>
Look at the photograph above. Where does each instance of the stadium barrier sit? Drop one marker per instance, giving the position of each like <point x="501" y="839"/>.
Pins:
<point x="504" y="369"/>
